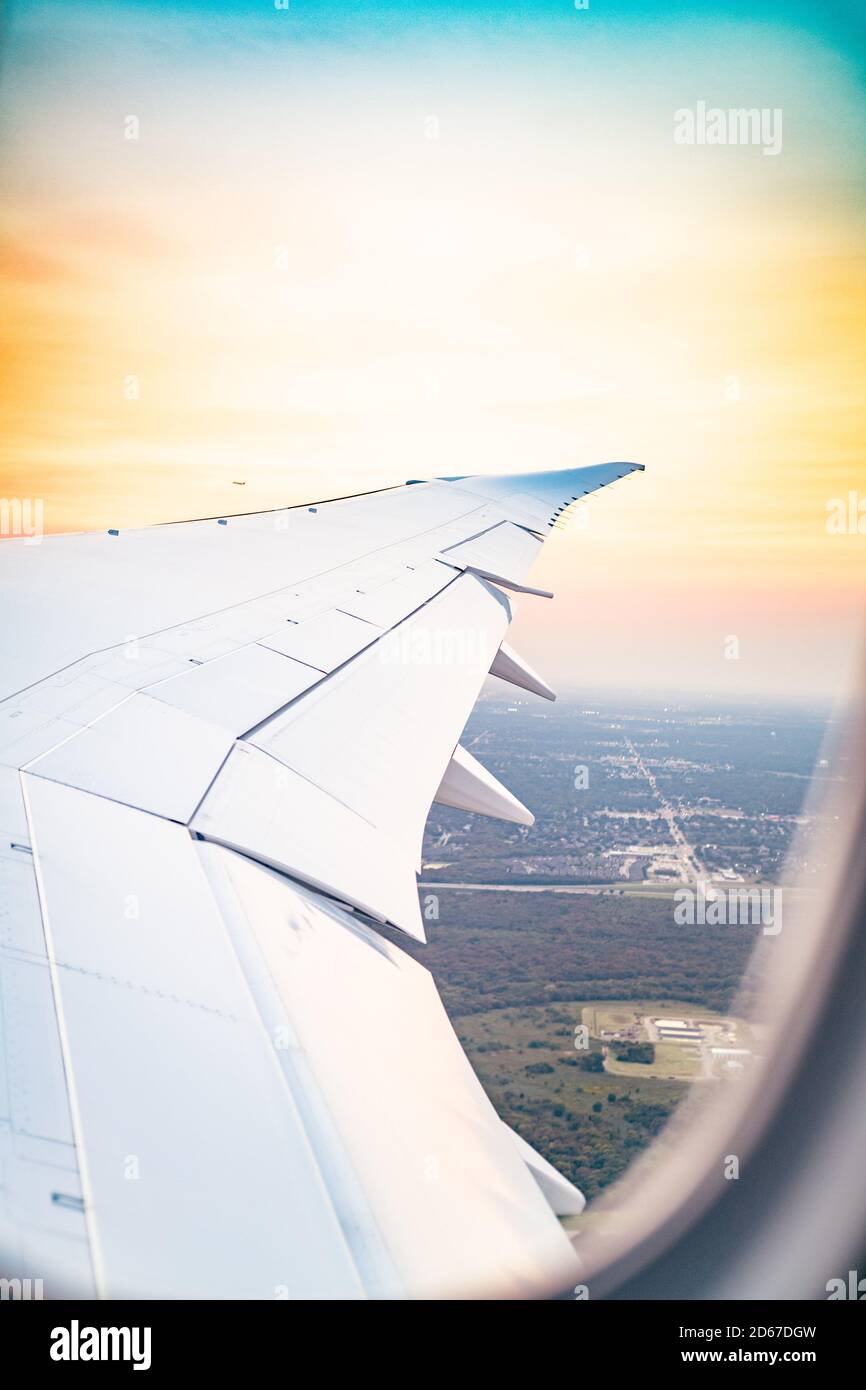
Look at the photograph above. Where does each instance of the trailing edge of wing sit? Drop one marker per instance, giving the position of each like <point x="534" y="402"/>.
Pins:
<point x="563" y="1198"/>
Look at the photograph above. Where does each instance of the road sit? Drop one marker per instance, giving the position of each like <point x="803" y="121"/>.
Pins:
<point x="692" y="865"/>
<point x="643" y="889"/>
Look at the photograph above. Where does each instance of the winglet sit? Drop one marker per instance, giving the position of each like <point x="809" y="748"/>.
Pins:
<point x="535" y="500"/>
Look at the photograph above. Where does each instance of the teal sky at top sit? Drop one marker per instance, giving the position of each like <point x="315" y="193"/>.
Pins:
<point x="512" y="31"/>
<point x="840" y="22"/>
<point x="631" y="58"/>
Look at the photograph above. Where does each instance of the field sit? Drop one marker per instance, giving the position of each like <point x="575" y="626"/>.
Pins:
<point x="520" y="966"/>
<point x="517" y="971"/>
<point x="589" y="1124"/>
<point x="674" y="1061"/>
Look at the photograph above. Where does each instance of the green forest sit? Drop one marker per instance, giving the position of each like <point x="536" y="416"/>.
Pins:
<point x="515" y="971"/>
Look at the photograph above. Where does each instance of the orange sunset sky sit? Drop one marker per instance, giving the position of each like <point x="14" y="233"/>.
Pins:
<point x="349" y="247"/>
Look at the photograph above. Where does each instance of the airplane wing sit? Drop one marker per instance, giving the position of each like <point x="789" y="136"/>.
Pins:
<point x="219" y="743"/>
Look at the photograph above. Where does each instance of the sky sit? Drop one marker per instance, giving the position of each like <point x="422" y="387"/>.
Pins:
<point x="325" y="248"/>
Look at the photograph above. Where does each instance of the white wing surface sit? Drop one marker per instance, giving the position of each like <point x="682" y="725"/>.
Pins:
<point x="219" y="744"/>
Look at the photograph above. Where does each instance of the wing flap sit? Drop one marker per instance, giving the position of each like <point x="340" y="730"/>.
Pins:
<point x="390" y="603"/>
<point x="144" y="753"/>
<point x="267" y="810"/>
<point x="370" y="1047"/>
<point x="505" y="550"/>
<point x="401" y="704"/>
<point x="42" y="1227"/>
<point x="184" y="1121"/>
<point x="237" y="691"/>
<point x="246" y="1031"/>
<point x="325" y="641"/>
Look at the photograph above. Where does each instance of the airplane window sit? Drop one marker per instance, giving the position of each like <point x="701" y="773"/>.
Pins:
<point x="620" y="973"/>
<point x="540" y="326"/>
